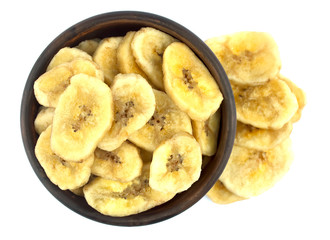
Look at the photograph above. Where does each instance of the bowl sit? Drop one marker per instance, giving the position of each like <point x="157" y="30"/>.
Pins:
<point x="117" y="24"/>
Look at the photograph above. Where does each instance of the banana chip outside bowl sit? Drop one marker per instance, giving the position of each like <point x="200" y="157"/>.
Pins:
<point x="118" y="24"/>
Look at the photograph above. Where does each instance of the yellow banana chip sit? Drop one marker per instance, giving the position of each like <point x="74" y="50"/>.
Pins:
<point x="268" y="106"/>
<point x="119" y="199"/>
<point x="125" y="58"/>
<point x="206" y="133"/>
<point x="221" y="195"/>
<point x="250" y="172"/>
<point x="89" y="46"/>
<point x="67" y="54"/>
<point x="176" y="164"/>
<point x="166" y="121"/>
<point x="123" y="164"/>
<point x="134" y="105"/>
<point x="249" y="58"/>
<point x="67" y="175"/>
<point x="148" y="46"/>
<point x="50" y="85"/>
<point x="43" y="119"/>
<point x="83" y="115"/>
<point x="300" y="95"/>
<point x="261" y="139"/>
<point x="189" y="83"/>
<point x="105" y="56"/>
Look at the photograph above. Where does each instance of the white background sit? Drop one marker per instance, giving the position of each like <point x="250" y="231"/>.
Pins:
<point x="297" y="207"/>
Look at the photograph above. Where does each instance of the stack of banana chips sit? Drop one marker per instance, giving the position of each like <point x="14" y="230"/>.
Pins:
<point x="267" y="105"/>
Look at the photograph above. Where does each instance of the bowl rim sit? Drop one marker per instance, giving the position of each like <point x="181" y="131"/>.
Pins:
<point x="176" y="30"/>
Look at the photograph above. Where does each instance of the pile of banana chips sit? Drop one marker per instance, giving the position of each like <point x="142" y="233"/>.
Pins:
<point x="126" y="121"/>
<point x="267" y="105"/>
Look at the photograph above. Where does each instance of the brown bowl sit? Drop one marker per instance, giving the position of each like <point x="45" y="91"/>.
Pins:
<point x="116" y="24"/>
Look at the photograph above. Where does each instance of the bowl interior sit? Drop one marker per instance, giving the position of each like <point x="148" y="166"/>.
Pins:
<point x="117" y="24"/>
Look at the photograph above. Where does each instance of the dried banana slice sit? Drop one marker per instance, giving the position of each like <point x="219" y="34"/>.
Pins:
<point x="270" y="105"/>
<point x="176" y="164"/>
<point x="189" y="83"/>
<point x="300" y="95"/>
<point x="106" y="57"/>
<point x="123" y="164"/>
<point x="67" y="54"/>
<point x="125" y="59"/>
<point x="166" y="121"/>
<point x="261" y="139"/>
<point x="134" y="103"/>
<point x="44" y="119"/>
<point x="50" y="85"/>
<point x="83" y="115"/>
<point x="250" y="172"/>
<point x="118" y="199"/>
<point x="148" y="46"/>
<point x="78" y="191"/>
<point x="249" y="58"/>
<point x="67" y="175"/>
<point x="221" y="195"/>
<point x="206" y="133"/>
<point x="89" y="45"/>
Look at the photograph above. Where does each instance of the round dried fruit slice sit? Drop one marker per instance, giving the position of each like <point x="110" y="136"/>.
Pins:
<point x="166" y="121"/>
<point x="50" y="85"/>
<point x="148" y="46"/>
<point x="134" y="103"/>
<point x="249" y="58"/>
<point x="221" y="195"/>
<point x="125" y="58"/>
<point x="67" y="175"/>
<point x="176" y="164"/>
<point x="250" y="172"/>
<point x="206" y="133"/>
<point x="43" y="119"/>
<point x="123" y="164"/>
<point x="119" y="199"/>
<point x="83" y="115"/>
<point x="105" y="56"/>
<point x="67" y="54"/>
<point x="189" y="83"/>
<point x="300" y="95"/>
<point x="261" y="139"/>
<point x="268" y="106"/>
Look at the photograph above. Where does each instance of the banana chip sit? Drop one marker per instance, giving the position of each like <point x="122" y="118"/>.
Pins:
<point x="43" y="119"/>
<point x="89" y="46"/>
<point x="83" y="115"/>
<point x="67" y="175"/>
<point x="123" y="164"/>
<point x="67" y="54"/>
<point x="50" y="85"/>
<point x="250" y="172"/>
<point x="148" y="46"/>
<point x="189" y="83"/>
<point x="176" y="164"/>
<point x="261" y="139"/>
<point x="221" y="195"/>
<point x="118" y="199"/>
<point x="125" y="59"/>
<point x="249" y="58"/>
<point x="268" y="106"/>
<point x="300" y="95"/>
<point x="166" y="121"/>
<point x="206" y="133"/>
<point x="105" y="56"/>
<point x="134" y="103"/>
